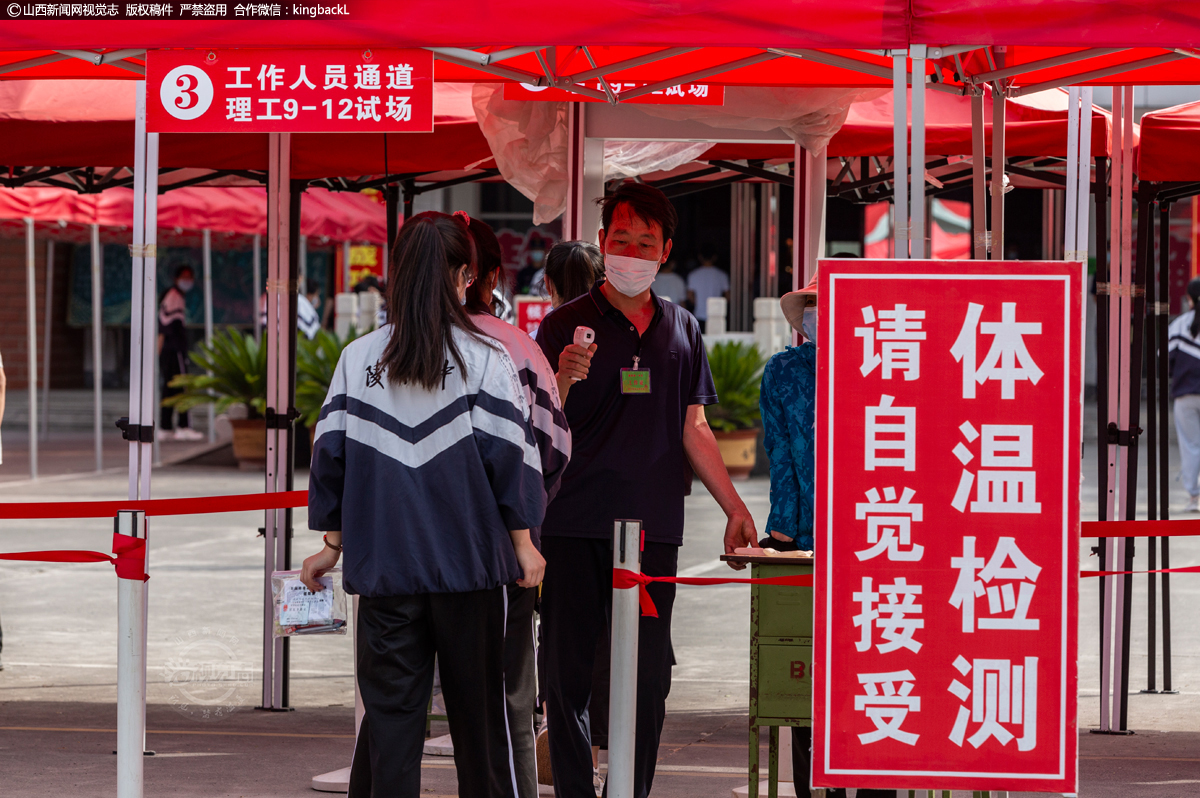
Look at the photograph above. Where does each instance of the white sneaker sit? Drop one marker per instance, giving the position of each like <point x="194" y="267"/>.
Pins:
<point x="164" y="434"/>
<point x="188" y="434"/>
<point x="1192" y="506"/>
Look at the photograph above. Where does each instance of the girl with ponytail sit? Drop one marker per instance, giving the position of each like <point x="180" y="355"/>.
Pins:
<point x="426" y="477"/>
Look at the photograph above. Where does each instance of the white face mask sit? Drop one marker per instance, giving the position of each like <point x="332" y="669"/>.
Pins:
<point x="808" y="323"/>
<point x="185" y="285"/>
<point x="630" y="276"/>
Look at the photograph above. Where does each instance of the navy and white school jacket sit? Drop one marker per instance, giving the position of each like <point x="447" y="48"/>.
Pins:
<point x="425" y="485"/>
<point x="1183" y="353"/>
<point x="550" y="428"/>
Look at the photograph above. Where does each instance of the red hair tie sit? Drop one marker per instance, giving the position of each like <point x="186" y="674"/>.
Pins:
<point x="463" y="214"/>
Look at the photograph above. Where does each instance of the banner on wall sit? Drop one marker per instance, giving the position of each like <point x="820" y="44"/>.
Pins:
<point x="949" y="415"/>
<point x="289" y="91"/>
<point x="366" y="260"/>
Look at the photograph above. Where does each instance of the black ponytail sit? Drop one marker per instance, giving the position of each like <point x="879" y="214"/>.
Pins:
<point x="423" y="304"/>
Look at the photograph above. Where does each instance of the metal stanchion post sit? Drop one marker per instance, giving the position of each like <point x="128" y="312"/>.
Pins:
<point x="622" y="708"/>
<point x="131" y="669"/>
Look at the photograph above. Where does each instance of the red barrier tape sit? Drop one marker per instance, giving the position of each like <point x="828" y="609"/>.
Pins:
<point x="130" y="561"/>
<point x="1140" y="529"/>
<point x="624" y="579"/>
<point x="203" y="504"/>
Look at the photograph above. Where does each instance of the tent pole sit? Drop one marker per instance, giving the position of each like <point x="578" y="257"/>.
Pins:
<point x="1147" y="193"/>
<point x="97" y="349"/>
<point x="281" y="291"/>
<point x="208" y="320"/>
<point x="1164" y="308"/>
<point x="576" y="136"/>
<point x="979" y="175"/>
<point x="346" y="266"/>
<point x="900" y="150"/>
<point x="287" y="419"/>
<point x="257" y="288"/>
<point x="48" y="307"/>
<point x="1073" y="199"/>
<point x="1103" y="411"/>
<point x="917" y="233"/>
<point x="997" y="175"/>
<point x="31" y="343"/>
<point x="1132" y="341"/>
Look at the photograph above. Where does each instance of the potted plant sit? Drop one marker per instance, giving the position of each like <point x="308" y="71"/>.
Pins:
<point x="316" y="360"/>
<point x="235" y="373"/>
<point x="737" y="373"/>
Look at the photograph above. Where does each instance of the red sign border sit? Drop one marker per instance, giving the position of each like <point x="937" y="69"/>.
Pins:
<point x="1072" y="273"/>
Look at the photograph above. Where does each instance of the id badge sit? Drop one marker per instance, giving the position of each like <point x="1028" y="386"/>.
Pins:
<point x="635" y="380"/>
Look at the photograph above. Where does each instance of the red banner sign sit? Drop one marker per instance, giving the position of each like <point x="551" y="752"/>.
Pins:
<point x="683" y="94"/>
<point x="289" y="91"/>
<point x="530" y="312"/>
<point x="949" y="415"/>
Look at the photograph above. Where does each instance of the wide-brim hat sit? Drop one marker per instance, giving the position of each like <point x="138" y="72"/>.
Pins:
<point x="794" y="302"/>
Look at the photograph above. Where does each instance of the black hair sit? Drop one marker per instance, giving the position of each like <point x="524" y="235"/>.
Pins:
<point x="646" y="202"/>
<point x="844" y="255"/>
<point x="312" y="287"/>
<point x="370" y="281"/>
<point x="423" y="306"/>
<point x="487" y="260"/>
<point x="573" y="267"/>
<point x="1193" y="290"/>
<point x="184" y="268"/>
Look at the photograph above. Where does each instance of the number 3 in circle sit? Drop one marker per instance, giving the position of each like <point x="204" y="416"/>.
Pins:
<point x="186" y="92"/>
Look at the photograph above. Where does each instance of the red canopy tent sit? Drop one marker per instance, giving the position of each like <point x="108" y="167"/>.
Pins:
<point x="1170" y="146"/>
<point x="90" y="123"/>
<point x="339" y="216"/>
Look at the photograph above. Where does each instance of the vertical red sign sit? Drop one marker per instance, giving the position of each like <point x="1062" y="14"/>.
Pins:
<point x="289" y="91"/>
<point x="530" y="312"/>
<point x="947" y="524"/>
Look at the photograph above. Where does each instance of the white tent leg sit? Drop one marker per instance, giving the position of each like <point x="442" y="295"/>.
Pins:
<point x="143" y="354"/>
<point x="48" y="306"/>
<point x="917" y="233"/>
<point x="979" y="176"/>
<point x="900" y="183"/>
<point x="31" y="343"/>
<point x="97" y="348"/>
<point x="208" y="319"/>
<point x="998" y="120"/>
<point x="278" y="308"/>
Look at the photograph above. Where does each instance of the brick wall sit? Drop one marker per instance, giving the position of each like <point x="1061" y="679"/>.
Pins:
<point x="67" y="344"/>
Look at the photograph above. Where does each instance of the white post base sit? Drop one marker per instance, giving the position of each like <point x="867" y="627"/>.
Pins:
<point x="333" y="781"/>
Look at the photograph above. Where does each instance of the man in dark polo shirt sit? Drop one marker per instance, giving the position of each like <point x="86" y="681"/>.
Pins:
<point x="635" y="403"/>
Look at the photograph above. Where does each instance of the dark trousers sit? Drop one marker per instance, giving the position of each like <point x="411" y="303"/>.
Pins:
<point x="576" y="612"/>
<point x="520" y="686"/>
<point x="397" y="639"/>
<point x="171" y="362"/>
<point x="802" y="769"/>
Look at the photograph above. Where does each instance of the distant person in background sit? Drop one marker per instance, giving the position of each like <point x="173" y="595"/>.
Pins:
<point x="529" y="278"/>
<point x="670" y="285"/>
<point x="308" y="319"/>
<point x="1183" y="349"/>
<point x="173" y="353"/>
<point x="707" y="281"/>
<point x="572" y="268"/>
<point x="370" y="284"/>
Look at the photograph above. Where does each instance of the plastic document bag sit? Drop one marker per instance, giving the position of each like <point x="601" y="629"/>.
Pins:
<point x="300" y="611"/>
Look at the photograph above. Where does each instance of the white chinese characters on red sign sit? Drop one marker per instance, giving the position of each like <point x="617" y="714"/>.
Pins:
<point x="948" y="439"/>
<point x="683" y="94"/>
<point x="289" y="91"/>
<point x="530" y="312"/>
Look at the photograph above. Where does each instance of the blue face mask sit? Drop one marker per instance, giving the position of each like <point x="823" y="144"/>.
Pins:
<point x="808" y="324"/>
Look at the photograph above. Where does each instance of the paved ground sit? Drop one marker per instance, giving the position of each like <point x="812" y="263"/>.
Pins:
<point x="57" y="689"/>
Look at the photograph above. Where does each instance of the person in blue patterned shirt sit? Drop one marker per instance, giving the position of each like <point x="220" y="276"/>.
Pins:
<point x="788" y="403"/>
